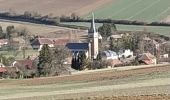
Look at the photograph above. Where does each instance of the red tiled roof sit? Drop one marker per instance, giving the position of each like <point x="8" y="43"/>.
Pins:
<point x="148" y="62"/>
<point x="61" y="41"/>
<point x="2" y="70"/>
<point x="26" y="62"/>
<point x="116" y="62"/>
<point x="55" y="41"/>
<point x="147" y="58"/>
<point x="3" y="41"/>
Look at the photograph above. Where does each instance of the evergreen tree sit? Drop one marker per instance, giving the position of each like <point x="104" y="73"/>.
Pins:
<point x="99" y="56"/>
<point x="9" y="30"/>
<point x="82" y="61"/>
<point x="45" y="60"/>
<point x="1" y="33"/>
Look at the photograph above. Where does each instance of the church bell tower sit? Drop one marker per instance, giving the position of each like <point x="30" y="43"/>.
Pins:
<point x="93" y="39"/>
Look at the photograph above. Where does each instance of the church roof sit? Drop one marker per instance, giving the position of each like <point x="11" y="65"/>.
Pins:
<point x="78" y="46"/>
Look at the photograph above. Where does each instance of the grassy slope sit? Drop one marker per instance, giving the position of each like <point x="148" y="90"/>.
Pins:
<point x="144" y="10"/>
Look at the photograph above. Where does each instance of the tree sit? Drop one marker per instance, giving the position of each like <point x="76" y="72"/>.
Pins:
<point x="74" y="16"/>
<point x="45" y="60"/>
<point x="82" y="61"/>
<point x="6" y="60"/>
<point x="27" y="14"/>
<point x="1" y="31"/>
<point x="9" y="30"/>
<point x="106" y="29"/>
<point x="99" y="56"/>
<point x="59" y="56"/>
<point x="2" y="35"/>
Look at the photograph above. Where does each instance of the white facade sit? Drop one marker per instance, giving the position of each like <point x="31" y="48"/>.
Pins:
<point x="2" y="65"/>
<point x="126" y="53"/>
<point x="40" y="47"/>
<point x="109" y="55"/>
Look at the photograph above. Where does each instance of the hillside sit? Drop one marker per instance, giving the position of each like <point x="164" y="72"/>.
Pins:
<point x="56" y="7"/>
<point x="144" y="10"/>
<point x="111" y="82"/>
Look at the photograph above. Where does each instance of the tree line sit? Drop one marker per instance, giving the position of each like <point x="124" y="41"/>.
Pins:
<point x="49" y="19"/>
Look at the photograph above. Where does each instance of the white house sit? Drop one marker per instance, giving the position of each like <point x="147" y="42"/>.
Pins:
<point x="125" y="53"/>
<point x="2" y="65"/>
<point x="3" y="42"/>
<point x="108" y="55"/>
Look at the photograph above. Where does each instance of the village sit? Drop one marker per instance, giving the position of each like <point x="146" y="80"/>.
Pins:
<point x="97" y="50"/>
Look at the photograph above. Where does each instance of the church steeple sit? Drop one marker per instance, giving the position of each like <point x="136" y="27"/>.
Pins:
<point x="93" y="27"/>
<point x="93" y="39"/>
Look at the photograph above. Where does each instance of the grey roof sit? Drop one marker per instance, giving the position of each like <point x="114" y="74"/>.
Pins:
<point x="78" y="46"/>
<point x="109" y="53"/>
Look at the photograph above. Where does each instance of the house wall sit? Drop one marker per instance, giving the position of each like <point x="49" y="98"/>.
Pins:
<point x="104" y="57"/>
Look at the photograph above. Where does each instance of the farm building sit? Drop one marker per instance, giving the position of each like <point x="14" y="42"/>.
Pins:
<point x="147" y="58"/>
<point x="52" y="42"/>
<point x="27" y="63"/>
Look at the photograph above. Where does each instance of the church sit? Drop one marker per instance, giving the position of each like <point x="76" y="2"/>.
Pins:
<point x="91" y="47"/>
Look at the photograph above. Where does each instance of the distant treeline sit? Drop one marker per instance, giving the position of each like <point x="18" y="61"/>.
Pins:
<point x="34" y="17"/>
<point x="124" y="22"/>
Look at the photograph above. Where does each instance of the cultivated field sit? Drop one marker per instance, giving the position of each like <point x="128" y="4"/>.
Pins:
<point x="55" y="7"/>
<point x="121" y="85"/>
<point x="163" y="30"/>
<point x="144" y="10"/>
<point x="46" y="30"/>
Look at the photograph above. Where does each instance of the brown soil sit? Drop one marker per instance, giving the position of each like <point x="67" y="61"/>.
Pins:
<point x="56" y="7"/>
<point x="142" y="97"/>
<point x="97" y="76"/>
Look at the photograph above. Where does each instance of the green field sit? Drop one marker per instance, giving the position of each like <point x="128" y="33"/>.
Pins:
<point x="19" y="54"/>
<point x="144" y="10"/>
<point x="156" y="29"/>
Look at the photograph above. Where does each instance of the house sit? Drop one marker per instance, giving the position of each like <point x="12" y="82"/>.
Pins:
<point x="2" y="65"/>
<point x="52" y="42"/>
<point x="107" y="55"/>
<point x="147" y="58"/>
<point x="77" y="48"/>
<point x="125" y="53"/>
<point x="115" y="37"/>
<point x="3" y="42"/>
<point x="151" y="45"/>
